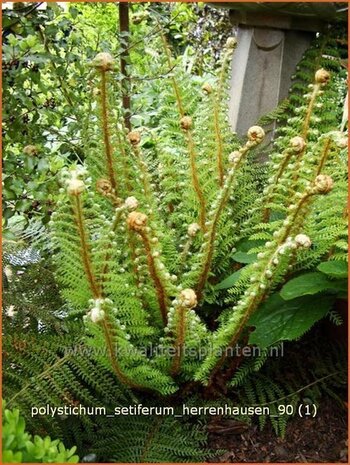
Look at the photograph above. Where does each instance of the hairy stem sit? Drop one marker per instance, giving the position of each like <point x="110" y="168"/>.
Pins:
<point x="173" y="80"/>
<point x="124" y="157"/>
<point x="105" y="129"/>
<point x="85" y="251"/>
<point x="324" y="156"/>
<point x="180" y="339"/>
<point x="218" y="138"/>
<point x="184" y="253"/>
<point x="158" y="284"/>
<point x="210" y="241"/>
<point x="195" y="179"/>
<point x="255" y="300"/>
<point x="150" y="438"/>
<point x="189" y="139"/>
<point x="225" y="63"/>
<point x="309" y="110"/>
<point x="110" y="340"/>
<point x="288" y="154"/>
<point x="136" y="274"/>
<point x="144" y="174"/>
<point x="116" y="221"/>
<point x="111" y="346"/>
<point x="305" y="129"/>
<point x="317" y="381"/>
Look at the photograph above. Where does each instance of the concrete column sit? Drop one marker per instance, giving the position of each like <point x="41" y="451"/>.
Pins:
<point x="262" y="66"/>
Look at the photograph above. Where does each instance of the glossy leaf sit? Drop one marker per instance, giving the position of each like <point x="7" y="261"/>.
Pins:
<point x="310" y="284"/>
<point x="335" y="269"/>
<point x="280" y="320"/>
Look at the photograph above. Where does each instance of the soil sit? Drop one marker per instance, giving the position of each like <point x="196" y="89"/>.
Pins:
<point x="322" y="439"/>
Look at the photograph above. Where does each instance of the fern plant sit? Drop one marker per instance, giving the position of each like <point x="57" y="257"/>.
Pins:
<point x="143" y="230"/>
<point x="173" y="242"/>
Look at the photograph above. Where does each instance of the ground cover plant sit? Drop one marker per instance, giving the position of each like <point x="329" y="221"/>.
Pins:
<point x="174" y="248"/>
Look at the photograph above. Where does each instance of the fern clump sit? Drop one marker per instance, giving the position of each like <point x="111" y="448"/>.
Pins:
<point x="141" y="229"/>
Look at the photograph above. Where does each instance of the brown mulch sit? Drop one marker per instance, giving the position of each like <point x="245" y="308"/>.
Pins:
<point x="322" y="439"/>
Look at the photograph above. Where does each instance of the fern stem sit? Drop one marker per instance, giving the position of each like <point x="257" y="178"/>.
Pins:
<point x="150" y="437"/>
<point x="217" y="98"/>
<point x="225" y="62"/>
<point x="111" y="346"/>
<point x="324" y="156"/>
<point x="244" y="317"/>
<point x="105" y="128"/>
<point x="189" y="139"/>
<point x="218" y="139"/>
<point x="136" y="274"/>
<point x="184" y="254"/>
<point x="195" y="179"/>
<point x="85" y="252"/>
<point x="57" y="364"/>
<point x="180" y="339"/>
<point x="173" y="80"/>
<point x="144" y="174"/>
<point x="306" y="125"/>
<point x="266" y="213"/>
<point x="320" y="380"/>
<point x="159" y="287"/>
<point x="124" y="158"/>
<point x="305" y="129"/>
<point x="210" y="242"/>
<point x="284" y="164"/>
<point x="97" y="294"/>
<point x="116" y="221"/>
<point x="245" y="313"/>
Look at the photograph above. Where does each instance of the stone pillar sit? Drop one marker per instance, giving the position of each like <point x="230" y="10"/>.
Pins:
<point x="262" y="66"/>
<point x="272" y="37"/>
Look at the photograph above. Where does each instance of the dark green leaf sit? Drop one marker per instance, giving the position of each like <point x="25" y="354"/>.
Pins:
<point x="280" y="320"/>
<point x="309" y="284"/>
<point x="7" y="213"/>
<point x="243" y="247"/>
<point x="243" y="257"/>
<point x="73" y="12"/>
<point x="9" y="194"/>
<point x="336" y="269"/>
<point x="229" y="281"/>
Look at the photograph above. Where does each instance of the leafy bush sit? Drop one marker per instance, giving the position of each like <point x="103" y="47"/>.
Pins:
<point x="18" y="446"/>
<point x="45" y="92"/>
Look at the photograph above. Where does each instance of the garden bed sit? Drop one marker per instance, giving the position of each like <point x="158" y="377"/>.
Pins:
<point x="322" y="439"/>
